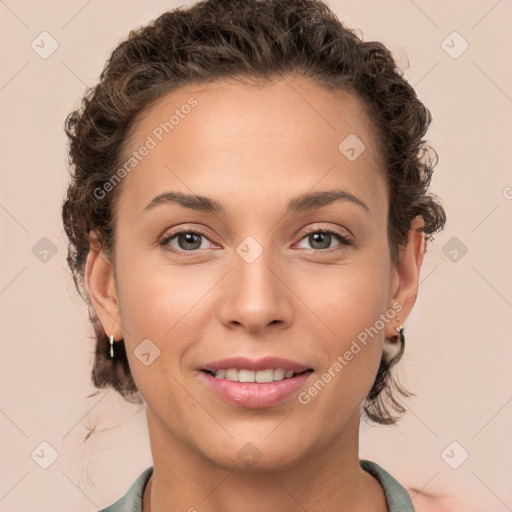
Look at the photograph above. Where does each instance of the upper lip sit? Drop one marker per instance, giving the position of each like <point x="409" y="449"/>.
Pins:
<point x="264" y="363"/>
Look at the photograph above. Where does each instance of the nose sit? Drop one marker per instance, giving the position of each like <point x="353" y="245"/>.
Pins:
<point x="255" y="295"/>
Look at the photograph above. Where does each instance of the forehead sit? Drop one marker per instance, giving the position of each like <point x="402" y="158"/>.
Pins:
<point x="252" y="144"/>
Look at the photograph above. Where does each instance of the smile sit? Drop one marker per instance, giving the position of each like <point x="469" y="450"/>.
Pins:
<point x="230" y="386"/>
<point x="243" y="375"/>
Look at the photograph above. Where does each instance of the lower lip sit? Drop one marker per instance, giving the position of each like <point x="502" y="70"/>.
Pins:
<point x="255" y="395"/>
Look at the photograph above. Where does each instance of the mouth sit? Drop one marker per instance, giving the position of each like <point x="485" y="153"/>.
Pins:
<point x="252" y="376"/>
<point x="255" y="383"/>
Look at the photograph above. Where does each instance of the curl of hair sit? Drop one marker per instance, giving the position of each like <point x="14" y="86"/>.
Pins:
<point x="256" y="41"/>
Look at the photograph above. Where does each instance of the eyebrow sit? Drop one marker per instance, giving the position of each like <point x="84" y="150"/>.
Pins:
<point x="304" y="202"/>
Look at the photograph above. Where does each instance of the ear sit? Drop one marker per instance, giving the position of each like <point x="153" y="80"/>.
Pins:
<point x="99" y="275"/>
<point x="407" y="273"/>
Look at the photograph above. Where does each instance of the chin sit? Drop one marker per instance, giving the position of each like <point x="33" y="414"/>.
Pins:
<point x="249" y="458"/>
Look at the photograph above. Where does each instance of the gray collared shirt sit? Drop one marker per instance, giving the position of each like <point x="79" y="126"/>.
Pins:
<point x="396" y="496"/>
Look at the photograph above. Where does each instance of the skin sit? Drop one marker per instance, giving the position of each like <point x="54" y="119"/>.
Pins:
<point x="253" y="149"/>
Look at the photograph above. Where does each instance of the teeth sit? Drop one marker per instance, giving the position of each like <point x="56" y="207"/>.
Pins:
<point x="232" y="374"/>
<point x="261" y="376"/>
<point x="246" y="376"/>
<point x="279" y="374"/>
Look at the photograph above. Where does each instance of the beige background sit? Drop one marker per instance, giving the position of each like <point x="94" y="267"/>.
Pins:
<point x="458" y="339"/>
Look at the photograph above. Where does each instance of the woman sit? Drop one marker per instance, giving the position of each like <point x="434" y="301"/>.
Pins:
<point x="247" y="217"/>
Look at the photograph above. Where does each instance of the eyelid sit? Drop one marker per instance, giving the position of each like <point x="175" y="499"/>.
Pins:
<point x="341" y="232"/>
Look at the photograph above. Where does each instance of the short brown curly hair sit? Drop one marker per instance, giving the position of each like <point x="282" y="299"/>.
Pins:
<point x="254" y="40"/>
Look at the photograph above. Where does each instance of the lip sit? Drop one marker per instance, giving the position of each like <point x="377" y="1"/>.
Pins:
<point x="265" y="363"/>
<point x="255" y="395"/>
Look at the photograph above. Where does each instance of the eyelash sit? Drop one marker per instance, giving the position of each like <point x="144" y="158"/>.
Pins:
<point x="344" y="241"/>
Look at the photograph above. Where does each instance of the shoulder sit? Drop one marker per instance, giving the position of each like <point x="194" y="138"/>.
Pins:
<point x="132" y="500"/>
<point x="397" y="497"/>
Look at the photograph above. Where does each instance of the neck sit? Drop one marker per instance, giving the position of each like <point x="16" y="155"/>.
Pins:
<point x="327" y="478"/>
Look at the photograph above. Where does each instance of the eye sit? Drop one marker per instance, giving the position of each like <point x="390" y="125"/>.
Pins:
<point x="321" y="239"/>
<point x="190" y="240"/>
<point x="187" y="241"/>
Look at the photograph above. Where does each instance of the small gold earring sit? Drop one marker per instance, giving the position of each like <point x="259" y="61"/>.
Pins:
<point x="111" y="346"/>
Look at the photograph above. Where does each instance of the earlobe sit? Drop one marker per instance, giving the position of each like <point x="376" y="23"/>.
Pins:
<point x="99" y="276"/>
<point x="408" y="269"/>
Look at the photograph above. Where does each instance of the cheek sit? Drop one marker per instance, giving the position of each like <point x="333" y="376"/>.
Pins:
<point x="348" y="299"/>
<point x="159" y="310"/>
<point x="165" y="304"/>
<point x="346" y="308"/>
<point x="155" y="294"/>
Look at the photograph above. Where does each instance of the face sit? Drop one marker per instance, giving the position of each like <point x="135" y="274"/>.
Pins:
<point x="284" y="255"/>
